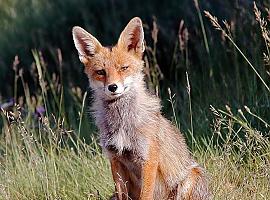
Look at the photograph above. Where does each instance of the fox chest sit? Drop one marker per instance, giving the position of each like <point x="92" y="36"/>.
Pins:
<point x="127" y="145"/>
<point x="119" y="125"/>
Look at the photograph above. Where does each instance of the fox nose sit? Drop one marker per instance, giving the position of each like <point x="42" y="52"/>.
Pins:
<point x="112" y="87"/>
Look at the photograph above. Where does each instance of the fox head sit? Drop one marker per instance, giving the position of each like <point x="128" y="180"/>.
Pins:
<point x="112" y="71"/>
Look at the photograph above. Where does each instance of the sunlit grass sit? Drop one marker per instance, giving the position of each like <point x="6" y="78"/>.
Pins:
<point x="49" y="163"/>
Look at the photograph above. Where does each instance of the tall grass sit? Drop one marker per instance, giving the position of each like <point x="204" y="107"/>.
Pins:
<point x="39" y="164"/>
<point x="42" y="157"/>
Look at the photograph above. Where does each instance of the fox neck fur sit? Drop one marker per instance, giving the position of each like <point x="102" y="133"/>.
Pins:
<point x="119" y="120"/>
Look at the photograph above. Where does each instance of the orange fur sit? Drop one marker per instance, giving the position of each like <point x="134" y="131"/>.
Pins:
<point x="111" y="62"/>
<point x="149" y="172"/>
<point x="120" y="178"/>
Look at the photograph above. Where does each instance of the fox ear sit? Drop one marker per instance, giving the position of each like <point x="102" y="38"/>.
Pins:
<point x="132" y="37"/>
<point x="86" y="44"/>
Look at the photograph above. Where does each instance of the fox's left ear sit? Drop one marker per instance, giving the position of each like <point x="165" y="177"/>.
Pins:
<point x="132" y="37"/>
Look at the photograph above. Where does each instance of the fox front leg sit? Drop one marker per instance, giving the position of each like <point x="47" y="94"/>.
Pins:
<point x="120" y="179"/>
<point x="149" y="173"/>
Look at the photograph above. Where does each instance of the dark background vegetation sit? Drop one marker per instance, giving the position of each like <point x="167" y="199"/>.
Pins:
<point x="218" y="75"/>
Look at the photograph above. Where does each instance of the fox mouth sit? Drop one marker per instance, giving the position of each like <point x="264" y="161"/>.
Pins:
<point x="115" y="94"/>
<point x="118" y="94"/>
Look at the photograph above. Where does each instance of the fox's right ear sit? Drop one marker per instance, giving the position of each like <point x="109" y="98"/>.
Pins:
<point x="132" y="37"/>
<point x="86" y="44"/>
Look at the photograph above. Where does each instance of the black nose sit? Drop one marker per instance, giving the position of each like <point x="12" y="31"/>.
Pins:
<point x="112" y="87"/>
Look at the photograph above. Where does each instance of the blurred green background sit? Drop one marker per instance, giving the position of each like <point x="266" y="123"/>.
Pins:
<point x="218" y="75"/>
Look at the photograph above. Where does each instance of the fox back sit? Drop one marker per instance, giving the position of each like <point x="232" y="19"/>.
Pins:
<point x="148" y="155"/>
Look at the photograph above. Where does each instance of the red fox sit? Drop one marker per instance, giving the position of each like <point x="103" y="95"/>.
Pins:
<point x="148" y="155"/>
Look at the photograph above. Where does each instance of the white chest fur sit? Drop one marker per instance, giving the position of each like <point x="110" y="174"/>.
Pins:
<point x="118" y="123"/>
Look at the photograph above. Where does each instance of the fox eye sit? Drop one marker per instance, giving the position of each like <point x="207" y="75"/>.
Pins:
<point x="124" y="68"/>
<point x="101" y="72"/>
